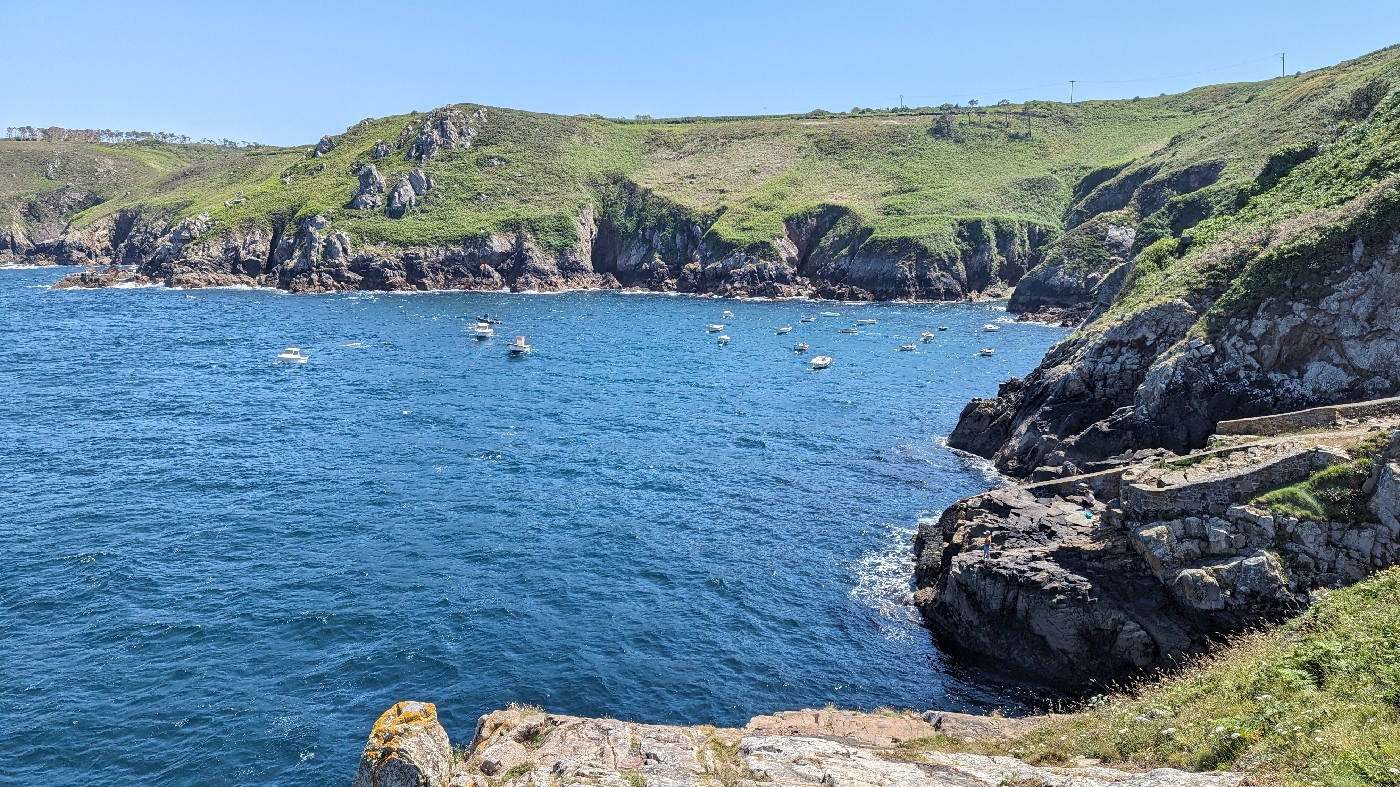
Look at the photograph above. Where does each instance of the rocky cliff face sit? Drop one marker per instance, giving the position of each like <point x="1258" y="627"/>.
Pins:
<point x="635" y="240"/>
<point x="1163" y="563"/>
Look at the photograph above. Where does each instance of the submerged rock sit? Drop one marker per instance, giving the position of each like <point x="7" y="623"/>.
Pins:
<point x="406" y="748"/>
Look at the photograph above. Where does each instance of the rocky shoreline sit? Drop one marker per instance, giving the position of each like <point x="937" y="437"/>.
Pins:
<point x="521" y="747"/>
<point x="1165" y="559"/>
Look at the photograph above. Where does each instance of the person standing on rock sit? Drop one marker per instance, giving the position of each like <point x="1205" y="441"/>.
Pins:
<point x="986" y="546"/>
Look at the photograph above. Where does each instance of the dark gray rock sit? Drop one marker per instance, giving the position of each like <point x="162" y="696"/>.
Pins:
<point x="380" y="149"/>
<point x="420" y="182"/>
<point x="401" y="198"/>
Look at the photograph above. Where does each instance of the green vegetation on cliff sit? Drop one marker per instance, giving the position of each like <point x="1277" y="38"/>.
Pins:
<point x="909" y="180"/>
<point x="1272" y="235"/>
<point x="1316" y="701"/>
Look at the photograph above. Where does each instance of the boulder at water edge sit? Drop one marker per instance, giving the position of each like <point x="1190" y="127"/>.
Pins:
<point x="406" y="748"/>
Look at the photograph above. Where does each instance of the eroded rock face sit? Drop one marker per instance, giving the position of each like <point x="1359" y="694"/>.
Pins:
<point x="323" y="147"/>
<point x="371" y="186"/>
<point x="520" y="747"/>
<point x="401" y="198"/>
<point x="1139" y="383"/>
<point x="406" y="748"/>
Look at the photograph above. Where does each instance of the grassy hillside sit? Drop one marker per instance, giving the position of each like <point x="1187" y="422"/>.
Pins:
<point x="46" y="184"/>
<point x="1314" y="702"/>
<point x="906" y="178"/>
<point x="1310" y="196"/>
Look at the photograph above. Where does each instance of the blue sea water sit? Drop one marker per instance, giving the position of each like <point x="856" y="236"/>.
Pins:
<point x="221" y="570"/>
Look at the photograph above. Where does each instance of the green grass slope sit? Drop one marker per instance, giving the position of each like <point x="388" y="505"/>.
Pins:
<point x="47" y="185"/>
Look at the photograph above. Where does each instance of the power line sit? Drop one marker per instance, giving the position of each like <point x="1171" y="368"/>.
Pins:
<point x="1097" y="81"/>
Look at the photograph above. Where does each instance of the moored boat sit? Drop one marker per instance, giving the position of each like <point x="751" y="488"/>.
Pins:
<point x="808" y="319"/>
<point x="482" y="330"/>
<point x="714" y="328"/>
<point x="723" y="340"/>
<point x="925" y="337"/>
<point x="821" y="362"/>
<point x="986" y="351"/>
<point x="831" y="314"/>
<point x="847" y="330"/>
<point x="800" y="347"/>
<point x="784" y="329"/>
<point x="291" y="355"/>
<point x="518" y="347"/>
<point x="905" y="348"/>
<point x="866" y="321"/>
<point x="991" y="326"/>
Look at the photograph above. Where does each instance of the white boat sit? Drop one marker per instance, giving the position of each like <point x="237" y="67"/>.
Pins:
<point x="821" y="362"/>
<point x="723" y="340"/>
<point x="728" y="315"/>
<point x="906" y="348"/>
<point x="866" y="321"/>
<point x="847" y="330"/>
<point x="808" y="319"/>
<point x="987" y="351"/>
<point x="799" y="347"/>
<point x="831" y="314"/>
<point x="925" y="337"/>
<point x="483" y="330"/>
<point x="291" y="355"/>
<point x="991" y="327"/>
<point x="518" y="347"/>
<point x="784" y="329"/>
<point x="714" y="328"/>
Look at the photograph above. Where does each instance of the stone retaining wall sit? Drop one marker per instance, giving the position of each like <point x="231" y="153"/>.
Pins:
<point x="1309" y="419"/>
<point x="1216" y="495"/>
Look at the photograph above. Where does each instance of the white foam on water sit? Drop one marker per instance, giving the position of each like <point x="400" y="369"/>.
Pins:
<point x="885" y="585"/>
<point x="983" y="467"/>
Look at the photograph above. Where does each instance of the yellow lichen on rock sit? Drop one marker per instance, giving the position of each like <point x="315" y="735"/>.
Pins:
<point x="407" y="747"/>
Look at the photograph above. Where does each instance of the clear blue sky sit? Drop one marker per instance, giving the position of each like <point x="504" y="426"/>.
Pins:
<point x="287" y="72"/>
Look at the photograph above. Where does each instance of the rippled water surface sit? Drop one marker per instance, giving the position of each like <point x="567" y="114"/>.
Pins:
<point x="219" y="570"/>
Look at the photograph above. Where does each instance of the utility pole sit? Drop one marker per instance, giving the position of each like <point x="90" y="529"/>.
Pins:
<point x="1071" y="91"/>
<point x="901" y="101"/>
<point x="1283" y="64"/>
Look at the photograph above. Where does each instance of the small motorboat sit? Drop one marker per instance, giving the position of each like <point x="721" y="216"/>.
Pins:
<point x="728" y="315"/>
<point x="831" y="314"/>
<point x="799" y="348"/>
<point x="847" y="330"/>
<point x="784" y="329"/>
<point x="482" y="330"/>
<point x="908" y="348"/>
<point x="821" y="362"/>
<point x="865" y="322"/>
<point x="518" y="347"/>
<point x="714" y="328"/>
<point x="808" y="319"/>
<point x="723" y="340"/>
<point x="991" y="326"/>
<point x="291" y="355"/>
<point x="488" y="319"/>
<point x="925" y="337"/>
<point x="986" y="351"/>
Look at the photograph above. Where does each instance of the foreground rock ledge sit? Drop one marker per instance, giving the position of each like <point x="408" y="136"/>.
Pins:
<point x="525" y="746"/>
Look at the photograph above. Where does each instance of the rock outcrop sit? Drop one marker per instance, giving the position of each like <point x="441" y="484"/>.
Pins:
<point x="371" y="186"/>
<point x="401" y="198"/>
<point x="406" y="748"/>
<point x="1168" y="558"/>
<point x="323" y="147"/>
<point x="523" y="747"/>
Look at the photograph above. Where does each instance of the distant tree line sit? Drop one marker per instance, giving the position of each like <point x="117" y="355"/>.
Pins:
<point x="58" y="133"/>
